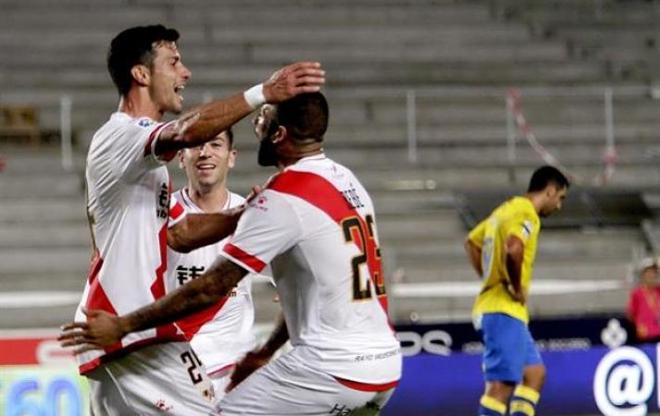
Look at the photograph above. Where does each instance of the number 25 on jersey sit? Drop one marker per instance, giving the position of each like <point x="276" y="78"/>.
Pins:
<point x="361" y="233"/>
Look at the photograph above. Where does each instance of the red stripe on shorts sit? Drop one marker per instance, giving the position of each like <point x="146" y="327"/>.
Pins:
<point x="356" y="385"/>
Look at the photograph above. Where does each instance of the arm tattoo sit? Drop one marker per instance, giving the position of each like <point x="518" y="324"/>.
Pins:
<point x="194" y="296"/>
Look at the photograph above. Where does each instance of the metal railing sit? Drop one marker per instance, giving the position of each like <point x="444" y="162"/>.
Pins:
<point x="410" y="105"/>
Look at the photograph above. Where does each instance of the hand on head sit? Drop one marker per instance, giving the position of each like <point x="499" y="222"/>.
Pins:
<point x="294" y="79"/>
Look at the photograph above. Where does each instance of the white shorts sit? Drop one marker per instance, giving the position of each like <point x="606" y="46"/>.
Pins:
<point x="289" y="386"/>
<point x="220" y="380"/>
<point x="163" y="379"/>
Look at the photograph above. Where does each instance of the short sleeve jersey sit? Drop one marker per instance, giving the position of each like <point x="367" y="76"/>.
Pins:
<point x="314" y="223"/>
<point x="515" y="217"/>
<point x="127" y="205"/>
<point x="222" y="333"/>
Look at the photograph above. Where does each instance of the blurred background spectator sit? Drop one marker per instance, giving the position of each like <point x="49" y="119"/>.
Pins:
<point x="644" y="302"/>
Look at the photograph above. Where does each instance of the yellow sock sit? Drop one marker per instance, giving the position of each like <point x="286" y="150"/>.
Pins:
<point x="524" y="401"/>
<point x="489" y="406"/>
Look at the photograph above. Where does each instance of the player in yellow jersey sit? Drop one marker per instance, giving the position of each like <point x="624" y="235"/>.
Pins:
<point x="502" y="249"/>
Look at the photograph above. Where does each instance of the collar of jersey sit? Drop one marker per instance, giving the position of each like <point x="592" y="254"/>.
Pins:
<point x="191" y="204"/>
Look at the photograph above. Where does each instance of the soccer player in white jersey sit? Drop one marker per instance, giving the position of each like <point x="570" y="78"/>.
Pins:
<point x="221" y="334"/>
<point x="128" y="200"/>
<point x="314" y="224"/>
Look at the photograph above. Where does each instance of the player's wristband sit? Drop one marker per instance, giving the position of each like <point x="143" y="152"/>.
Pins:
<point x="255" y="96"/>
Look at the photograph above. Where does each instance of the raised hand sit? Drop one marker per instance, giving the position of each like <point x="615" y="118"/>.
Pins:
<point x="176" y="129"/>
<point x="292" y="80"/>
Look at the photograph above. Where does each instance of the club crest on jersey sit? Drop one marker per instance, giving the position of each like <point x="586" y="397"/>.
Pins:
<point x="163" y="406"/>
<point x="527" y="229"/>
<point x="145" y="122"/>
<point x="259" y="202"/>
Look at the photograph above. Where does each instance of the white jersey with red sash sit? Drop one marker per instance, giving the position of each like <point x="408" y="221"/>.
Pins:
<point x="127" y="203"/>
<point x="222" y="333"/>
<point x="314" y="223"/>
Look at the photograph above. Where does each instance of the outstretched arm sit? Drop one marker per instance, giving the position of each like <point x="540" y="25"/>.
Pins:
<point x="209" y="120"/>
<point x="199" y="230"/>
<point x="103" y="329"/>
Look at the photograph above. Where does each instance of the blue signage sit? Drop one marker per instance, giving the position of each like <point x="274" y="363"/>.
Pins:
<point x="614" y="382"/>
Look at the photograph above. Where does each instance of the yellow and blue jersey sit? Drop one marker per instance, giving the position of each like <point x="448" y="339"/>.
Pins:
<point x="515" y="217"/>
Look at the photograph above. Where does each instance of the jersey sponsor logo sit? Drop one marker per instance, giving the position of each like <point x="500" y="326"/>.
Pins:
<point x="185" y="274"/>
<point x="163" y="201"/>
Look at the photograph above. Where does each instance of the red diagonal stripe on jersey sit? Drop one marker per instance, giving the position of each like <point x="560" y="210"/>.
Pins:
<point x="97" y="298"/>
<point x="176" y="211"/>
<point x="248" y="259"/>
<point x="190" y="324"/>
<point x="158" y="286"/>
<point x="322" y="194"/>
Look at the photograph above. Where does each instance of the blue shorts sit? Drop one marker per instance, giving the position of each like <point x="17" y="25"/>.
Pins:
<point x="508" y="348"/>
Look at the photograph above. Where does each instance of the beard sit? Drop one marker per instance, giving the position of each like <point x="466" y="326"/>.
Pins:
<point x="267" y="155"/>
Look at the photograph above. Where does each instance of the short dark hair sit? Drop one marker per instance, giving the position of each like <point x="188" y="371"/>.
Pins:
<point x="305" y="116"/>
<point x="135" y="46"/>
<point x="230" y="136"/>
<point x="546" y="175"/>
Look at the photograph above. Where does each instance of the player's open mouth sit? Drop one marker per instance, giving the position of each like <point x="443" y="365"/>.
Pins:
<point x="205" y="166"/>
<point x="179" y="91"/>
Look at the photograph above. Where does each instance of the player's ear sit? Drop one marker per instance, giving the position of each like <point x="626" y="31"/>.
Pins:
<point x="180" y="154"/>
<point x="231" y="161"/>
<point x="280" y="134"/>
<point x="141" y="74"/>
<point x="550" y="191"/>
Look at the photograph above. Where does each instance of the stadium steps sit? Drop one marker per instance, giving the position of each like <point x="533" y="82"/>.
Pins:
<point x="458" y="114"/>
<point x="452" y="44"/>
<point x="623" y="35"/>
<point x="553" y="246"/>
<point x="407" y="180"/>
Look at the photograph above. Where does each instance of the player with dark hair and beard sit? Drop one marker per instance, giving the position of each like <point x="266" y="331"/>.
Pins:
<point x="128" y="201"/>
<point x="314" y="223"/>
<point x="501" y="249"/>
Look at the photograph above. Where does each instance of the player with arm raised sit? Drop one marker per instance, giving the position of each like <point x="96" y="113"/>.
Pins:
<point x="128" y="190"/>
<point x="221" y="334"/>
<point x="314" y="224"/>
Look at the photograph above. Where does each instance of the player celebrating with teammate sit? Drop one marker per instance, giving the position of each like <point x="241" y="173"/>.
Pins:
<point x="502" y="249"/>
<point x="127" y="202"/>
<point x="221" y="334"/>
<point x="314" y="224"/>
